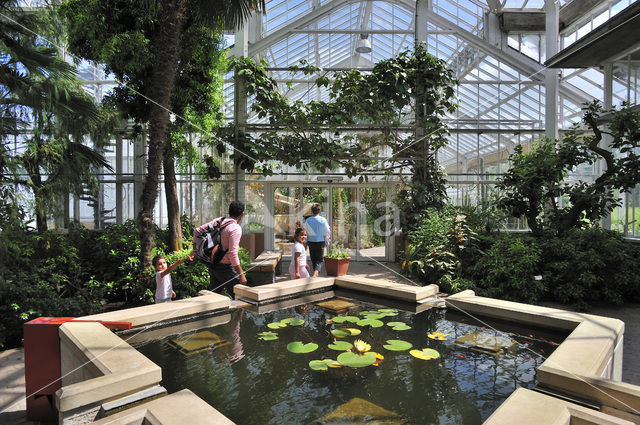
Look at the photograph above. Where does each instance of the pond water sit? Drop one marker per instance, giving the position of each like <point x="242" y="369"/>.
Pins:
<point x="256" y="381"/>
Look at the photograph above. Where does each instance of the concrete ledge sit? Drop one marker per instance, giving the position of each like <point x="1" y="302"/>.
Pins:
<point x="585" y="363"/>
<point x="180" y="408"/>
<point x="153" y="313"/>
<point x="620" y="396"/>
<point x="526" y="407"/>
<point x="137" y="337"/>
<point x="529" y="314"/>
<point x="282" y="289"/>
<point x="99" y="366"/>
<point x="384" y="288"/>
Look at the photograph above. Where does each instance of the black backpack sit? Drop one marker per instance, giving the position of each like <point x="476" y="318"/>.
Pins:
<point x="209" y="243"/>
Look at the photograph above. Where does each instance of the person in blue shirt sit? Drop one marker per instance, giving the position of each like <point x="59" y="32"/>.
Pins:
<point x="318" y="234"/>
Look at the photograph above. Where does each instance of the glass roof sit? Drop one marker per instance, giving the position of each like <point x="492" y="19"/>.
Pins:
<point x="501" y="99"/>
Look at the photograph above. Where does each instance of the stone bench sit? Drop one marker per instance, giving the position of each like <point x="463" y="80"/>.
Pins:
<point x="264" y="268"/>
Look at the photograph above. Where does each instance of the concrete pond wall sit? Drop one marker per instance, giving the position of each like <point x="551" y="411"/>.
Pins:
<point x="108" y="381"/>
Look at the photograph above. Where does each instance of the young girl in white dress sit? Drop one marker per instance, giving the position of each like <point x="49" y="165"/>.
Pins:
<point x="299" y="268"/>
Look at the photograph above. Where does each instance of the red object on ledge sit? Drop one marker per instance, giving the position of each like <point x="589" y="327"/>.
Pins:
<point x="42" y="369"/>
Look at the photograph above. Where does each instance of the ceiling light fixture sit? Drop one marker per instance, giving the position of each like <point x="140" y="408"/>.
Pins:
<point x="363" y="45"/>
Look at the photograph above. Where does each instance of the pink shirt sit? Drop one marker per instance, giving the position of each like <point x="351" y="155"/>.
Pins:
<point x="230" y="239"/>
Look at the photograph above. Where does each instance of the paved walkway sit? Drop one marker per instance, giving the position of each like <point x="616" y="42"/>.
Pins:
<point x="13" y="406"/>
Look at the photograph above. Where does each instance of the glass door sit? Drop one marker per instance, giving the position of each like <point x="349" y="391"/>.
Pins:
<point x="315" y="195"/>
<point x="286" y="216"/>
<point x="359" y="217"/>
<point x="343" y="219"/>
<point x="373" y="223"/>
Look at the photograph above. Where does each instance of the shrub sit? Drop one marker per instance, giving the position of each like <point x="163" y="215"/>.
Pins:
<point x="41" y="275"/>
<point x="590" y="266"/>
<point x="508" y="270"/>
<point x="435" y="245"/>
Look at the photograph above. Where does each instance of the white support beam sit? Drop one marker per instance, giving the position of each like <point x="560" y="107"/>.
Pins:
<point x="494" y="6"/>
<point x="522" y="63"/>
<point x="260" y="45"/>
<point x="422" y="13"/>
<point x="551" y="75"/>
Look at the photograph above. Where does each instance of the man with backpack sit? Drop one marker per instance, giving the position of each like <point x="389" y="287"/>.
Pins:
<point x="216" y="243"/>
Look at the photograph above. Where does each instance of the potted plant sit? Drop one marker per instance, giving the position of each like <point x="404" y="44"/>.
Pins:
<point x="337" y="261"/>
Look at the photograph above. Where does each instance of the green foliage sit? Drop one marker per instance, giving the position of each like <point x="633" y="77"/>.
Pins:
<point x="41" y="275"/>
<point x="414" y="83"/>
<point x="40" y="88"/>
<point x="436" y="243"/>
<point x="509" y="268"/>
<point x="120" y="35"/>
<point x="83" y="272"/>
<point x="338" y="251"/>
<point x="536" y="182"/>
<point x="590" y="266"/>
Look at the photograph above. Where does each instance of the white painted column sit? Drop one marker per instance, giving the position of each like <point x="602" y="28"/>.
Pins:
<point x="422" y="9"/>
<point x="605" y="222"/>
<point x="119" y="215"/>
<point x="241" y="49"/>
<point x="139" y="169"/>
<point x="552" y="29"/>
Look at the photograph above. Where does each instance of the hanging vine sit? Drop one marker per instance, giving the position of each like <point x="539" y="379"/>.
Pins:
<point x="414" y="89"/>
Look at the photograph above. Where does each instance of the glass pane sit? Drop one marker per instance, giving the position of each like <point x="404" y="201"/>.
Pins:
<point x="286" y="217"/>
<point x="343" y="229"/>
<point x="313" y="195"/>
<point x="374" y="223"/>
<point x="254" y="214"/>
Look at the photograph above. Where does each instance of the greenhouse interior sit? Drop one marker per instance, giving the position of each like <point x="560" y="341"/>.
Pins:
<point x="523" y="69"/>
<point x="471" y="168"/>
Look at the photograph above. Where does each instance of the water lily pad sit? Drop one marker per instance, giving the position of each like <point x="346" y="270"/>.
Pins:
<point x="374" y="316"/>
<point x="374" y="323"/>
<point x="292" y="321"/>
<point x="388" y="310"/>
<point x="267" y="336"/>
<point x="276" y="325"/>
<point x="425" y="354"/>
<point x="397" y="345"/>
<point x="342" y="319"/>
<point x="299" y="347"/>
<point x="345" y="332"/>
<point x="438" y="336"/>
<point x="354" y="360"/>
<point x="399" y="326"/>
<point x="341" y="346"/>
<point x="322" y="364"/>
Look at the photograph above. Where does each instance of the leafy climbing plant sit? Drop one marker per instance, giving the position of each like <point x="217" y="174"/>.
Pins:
<point x="405" y="97"/>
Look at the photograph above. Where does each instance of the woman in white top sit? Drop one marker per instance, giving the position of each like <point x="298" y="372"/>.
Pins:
<point x="299" y="267"/>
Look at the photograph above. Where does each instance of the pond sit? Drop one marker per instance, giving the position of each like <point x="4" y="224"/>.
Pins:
<point x="434" y="367"/>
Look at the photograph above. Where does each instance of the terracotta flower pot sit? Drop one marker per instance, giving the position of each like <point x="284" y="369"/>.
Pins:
<point x="336" y="266"/>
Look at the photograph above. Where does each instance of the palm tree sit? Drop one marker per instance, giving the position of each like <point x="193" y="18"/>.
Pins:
<point x="230" y="13"/>
<point x="41" y="93"/>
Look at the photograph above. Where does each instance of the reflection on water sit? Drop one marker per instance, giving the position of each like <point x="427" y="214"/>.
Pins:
<point x="252" y="381"/>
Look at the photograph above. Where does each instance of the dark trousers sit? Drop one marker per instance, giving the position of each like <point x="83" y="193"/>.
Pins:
<point x="223" y="276"/>
<point x="316" y="251"/>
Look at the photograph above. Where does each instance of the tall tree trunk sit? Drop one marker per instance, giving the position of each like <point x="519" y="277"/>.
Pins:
<point x="171" y="194"/>
<point x="166" y="53"/>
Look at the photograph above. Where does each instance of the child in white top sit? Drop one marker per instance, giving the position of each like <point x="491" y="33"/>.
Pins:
<point x="299" y="267"/>
<point x="164" y="286"/>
